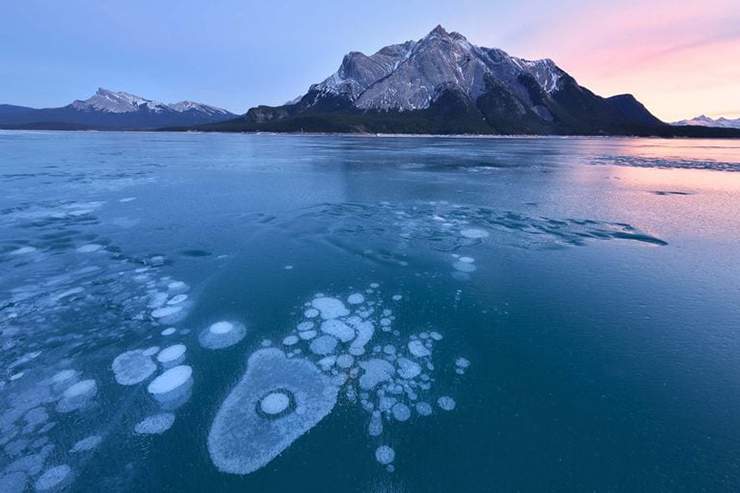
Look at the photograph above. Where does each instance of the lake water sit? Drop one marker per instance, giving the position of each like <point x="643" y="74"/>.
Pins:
<point x="190" y="313"/>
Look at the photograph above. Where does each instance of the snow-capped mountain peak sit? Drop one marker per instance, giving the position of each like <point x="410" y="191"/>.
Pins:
<point x="183" y="106"/>
<point x="408" y="76"/>
<point x="117" y="102"/>
<point x="706" y="121"/>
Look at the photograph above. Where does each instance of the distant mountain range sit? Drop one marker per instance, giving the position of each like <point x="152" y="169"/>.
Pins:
<point x="705" y="121"/>
<point x="441" y="84"/>
<point x="112" y="110"/>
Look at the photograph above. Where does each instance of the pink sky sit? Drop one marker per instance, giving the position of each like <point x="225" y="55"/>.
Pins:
<point x="679" y="58"/>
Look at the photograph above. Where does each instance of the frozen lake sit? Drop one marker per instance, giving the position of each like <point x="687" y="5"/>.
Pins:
<point x="205" y="312"/>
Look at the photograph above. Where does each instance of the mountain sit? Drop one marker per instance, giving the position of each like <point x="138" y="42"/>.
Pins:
<point x="444" y="84"/>
<point x="634" y="110"/>
<point x="112" y="110"/>
<point x="705" y="121"/>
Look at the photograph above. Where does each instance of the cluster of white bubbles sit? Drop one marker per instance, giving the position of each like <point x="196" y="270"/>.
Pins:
<point x="343" y="349"/>
<point x="56" y="404"/>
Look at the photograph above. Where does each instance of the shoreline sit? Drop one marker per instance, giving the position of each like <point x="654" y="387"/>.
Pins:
<point x="369" y="135"/>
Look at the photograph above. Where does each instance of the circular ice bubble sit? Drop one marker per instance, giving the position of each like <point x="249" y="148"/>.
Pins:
<point x="23" y="250"/>
<point x="436" y="336"/>
<point x="171" y="384"/>
<point x="167" y="311"/>
<point x="305" y="326"/>
<point x="417" y="348"/>
<point x="424" y="408"/>
<point x="401" y="411"/>
<point x="222" y="335"/>
<point x="447" y="403"/>
<point x="89" y="248"/>
<point x="275" y="403"/>
<point x="169" y="331"/>
<point x="345" y="360"/>
<point x="467" y="260"/>
<point x="81" y="390"/>
<point x="86" y="444"/>
<point x="52" y="477"/>
<point x="221" y="328"/>
<point x="132" y="367"/>
<point x="462" y="363"/>
<point x="173" y="355"/>
<point x="176" y="286"/>
<point x="177" y="299"/>
<point x="63" y="376"/>
<point x="330" y="307"/>
<point x="151" y="351"/>
<point x="355" y="299"/>
<point x="376" y="371"/>
<point x="243" y="440"/>
<point x="407" y="369"/>
<point x="463" y="267"/>
<point x="385" y="455"/>
<point x="397" y="297"/>
<point x="338" y="329"/>
<point x="155" y="425"/>
<point x="77" y="396"/>
<point x="311" y="313"/>
<point x="323" y="345"/>
<point x="307" y="334"/>
<point x="13" y="482"/>
<point x="290" y="340"/>
<point x="474" y="234"/>
<point x="36" y="416"/>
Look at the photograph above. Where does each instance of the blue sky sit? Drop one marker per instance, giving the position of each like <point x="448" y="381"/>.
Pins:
<point x="236" y="54"/>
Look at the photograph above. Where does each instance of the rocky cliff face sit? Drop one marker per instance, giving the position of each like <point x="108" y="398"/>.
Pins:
<point x="491" y="92"/>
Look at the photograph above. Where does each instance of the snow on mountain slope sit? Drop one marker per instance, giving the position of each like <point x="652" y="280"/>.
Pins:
<point x="184" y="106"/>
<point x="409" y="76"/>
<point x="122" y="102"/>
<point x="118" y="102"/>
<point x="705" y="121"/>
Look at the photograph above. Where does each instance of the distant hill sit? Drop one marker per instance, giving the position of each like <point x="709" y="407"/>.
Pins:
<point x="443" y="84"/>
<point x="113" y="111"/>
<point x="634" y="110"/>
<point x="705" y="121"/>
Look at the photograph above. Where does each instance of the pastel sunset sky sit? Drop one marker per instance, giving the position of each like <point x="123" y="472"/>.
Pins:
<point x="680" y="58"/>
